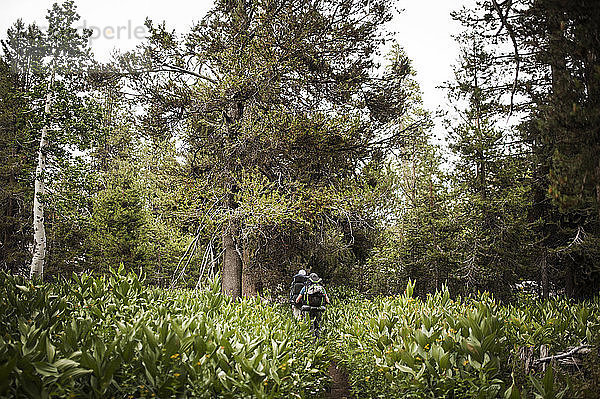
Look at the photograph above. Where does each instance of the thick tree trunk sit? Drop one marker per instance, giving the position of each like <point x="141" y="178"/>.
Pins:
<point x="569" y="283"/>
<point x="231" y="276"/>
<point x="232" y="265"/>
<point x="39" y="231"/>
<point x="248" y="278"/>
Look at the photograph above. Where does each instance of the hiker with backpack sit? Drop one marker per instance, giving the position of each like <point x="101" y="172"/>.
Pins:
<point x="314" y="297"/>
<point x="298" y="282"/>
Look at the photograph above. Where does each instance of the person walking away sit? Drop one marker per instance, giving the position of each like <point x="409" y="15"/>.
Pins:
<point x="315" y="298"/>
<point x="298" y="282"/>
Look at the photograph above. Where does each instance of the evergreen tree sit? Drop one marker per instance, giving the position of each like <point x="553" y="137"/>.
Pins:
<point x="16" y="160"/>
<point x="544" y="61"/>
<point x="491" y="177"/>
<point x="414" y="226"/>
<point x="280" y="102"/>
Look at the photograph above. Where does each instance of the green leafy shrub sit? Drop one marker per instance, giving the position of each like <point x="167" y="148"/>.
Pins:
<point x="111" y="336"/>
<point x="402" y="347"/>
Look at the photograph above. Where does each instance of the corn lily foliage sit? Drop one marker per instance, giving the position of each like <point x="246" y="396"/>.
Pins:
<point x="403" y="347"/>
<point x="111" y="336"/>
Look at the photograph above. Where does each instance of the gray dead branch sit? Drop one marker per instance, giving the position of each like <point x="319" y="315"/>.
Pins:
<point x="572" y="358"/>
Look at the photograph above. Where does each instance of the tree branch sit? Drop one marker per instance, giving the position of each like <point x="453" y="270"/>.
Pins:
<point x="511" y="33"/>
<point x="175" y="68"/>
<point x="561" y="355"/>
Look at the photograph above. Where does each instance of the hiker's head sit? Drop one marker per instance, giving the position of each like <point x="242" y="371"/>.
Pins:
<point x="314" y="278"/>
<point x="302" y="272"/>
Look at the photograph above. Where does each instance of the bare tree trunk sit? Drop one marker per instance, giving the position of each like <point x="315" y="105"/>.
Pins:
<point x="569" y="283"/>
<point x="436" y="274"/>
<point x="231" y="276"/>
<point x="39" y="231"/>
<point x="4" y="246"/>
<point x="248" y="278"/>
<point x="544" y="270"/>
<point x="598" y="186"/>
<point x="232" y="265"/>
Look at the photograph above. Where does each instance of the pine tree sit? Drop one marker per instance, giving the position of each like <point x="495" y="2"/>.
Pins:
<point x="547" y="68"/>
<point x="16" y="165"/>
<point x="277" y="97"/>
<point x="491" y="192"/>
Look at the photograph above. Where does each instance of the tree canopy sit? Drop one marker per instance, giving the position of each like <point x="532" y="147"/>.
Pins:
<point x="275" y="135"/>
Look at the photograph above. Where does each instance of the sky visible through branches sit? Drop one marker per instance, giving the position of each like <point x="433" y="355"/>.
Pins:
<point x="423" y="28"/>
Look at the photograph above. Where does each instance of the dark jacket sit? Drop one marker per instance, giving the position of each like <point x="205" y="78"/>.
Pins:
<point x="298" y="283"/>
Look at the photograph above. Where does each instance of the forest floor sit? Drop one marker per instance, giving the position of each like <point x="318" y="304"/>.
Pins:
<point x="340" y="387"/>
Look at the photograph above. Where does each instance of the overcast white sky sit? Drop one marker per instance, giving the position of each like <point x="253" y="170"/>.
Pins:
<point x="424" y="29"/>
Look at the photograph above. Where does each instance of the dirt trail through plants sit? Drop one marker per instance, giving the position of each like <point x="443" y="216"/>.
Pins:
<point x="340" y="387"/>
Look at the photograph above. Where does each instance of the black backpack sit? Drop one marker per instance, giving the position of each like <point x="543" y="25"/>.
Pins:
<point x="315" y="295"/>
<point x="297" y="284"/>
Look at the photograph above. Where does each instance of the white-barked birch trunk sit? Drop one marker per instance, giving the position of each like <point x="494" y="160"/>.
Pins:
<point x="39" y="230"/>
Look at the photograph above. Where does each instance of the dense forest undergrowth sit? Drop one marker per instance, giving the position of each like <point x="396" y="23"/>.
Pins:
<point x="111" y="336"/>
